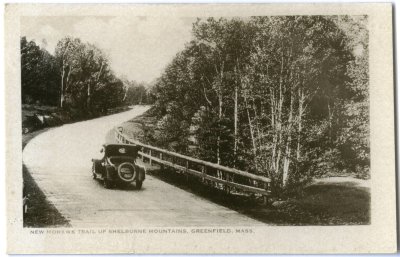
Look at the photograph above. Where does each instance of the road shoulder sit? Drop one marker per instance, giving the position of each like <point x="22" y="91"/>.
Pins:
<point x="39" y="211"/>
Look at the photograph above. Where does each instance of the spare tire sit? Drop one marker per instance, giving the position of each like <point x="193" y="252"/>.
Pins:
<point x="127" y="172"/>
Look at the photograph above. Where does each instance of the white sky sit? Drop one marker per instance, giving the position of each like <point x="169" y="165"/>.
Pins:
<point x="138" y="47"/>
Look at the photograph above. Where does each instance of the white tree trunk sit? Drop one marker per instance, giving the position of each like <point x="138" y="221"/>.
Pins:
<point x="286" y="161"/>
<point x="253" y="140"/>
<point x="235" y="122"/>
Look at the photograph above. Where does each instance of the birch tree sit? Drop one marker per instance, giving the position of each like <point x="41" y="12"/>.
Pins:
<point x="68" y="51"/>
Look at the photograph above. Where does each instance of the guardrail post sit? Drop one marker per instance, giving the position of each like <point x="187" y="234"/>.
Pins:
<point x="216" y="184"/>
<point x="161" y="165"/>
<point x="265" y="197"/>
<point x="265" y="200"/>
<point x="226" y="187"/>
<point x="203" y="171"/>
<point x="150" y="161"/>
<point x="187" y="173"/>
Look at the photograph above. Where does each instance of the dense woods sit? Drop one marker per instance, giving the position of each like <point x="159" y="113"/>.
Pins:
<point x="77" y="78"/>
<point x="285" y="97"/>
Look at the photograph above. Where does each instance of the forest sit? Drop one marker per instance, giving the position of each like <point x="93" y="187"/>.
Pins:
<point x="77" y="79"/>
<point x="283" y="96"/>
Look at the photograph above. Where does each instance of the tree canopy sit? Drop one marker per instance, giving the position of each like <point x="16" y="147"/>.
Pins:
<point x="284" y="96"/>
<point x="77" y="78"/>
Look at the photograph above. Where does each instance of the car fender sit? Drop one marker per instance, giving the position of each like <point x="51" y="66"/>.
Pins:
<point x="97" y="166"/>
<point x="141" y="172"/>
<point x="109" y="172"/>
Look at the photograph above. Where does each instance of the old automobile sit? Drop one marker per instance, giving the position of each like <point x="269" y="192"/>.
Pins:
<point x="118" y="166"/>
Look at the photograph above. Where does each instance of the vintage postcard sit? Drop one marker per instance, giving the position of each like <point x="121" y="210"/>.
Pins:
<point x="200" y="129"/>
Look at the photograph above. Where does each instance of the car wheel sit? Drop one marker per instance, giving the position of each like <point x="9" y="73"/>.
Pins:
<point x="107" y="183"/>
<point x="139" y="184"/>
<point x="94" y="176"/>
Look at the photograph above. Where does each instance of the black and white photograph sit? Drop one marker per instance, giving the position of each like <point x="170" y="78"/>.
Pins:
<point x="194" y="124"/>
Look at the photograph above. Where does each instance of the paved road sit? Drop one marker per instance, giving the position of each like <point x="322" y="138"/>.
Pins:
<point x="59" y="161"/>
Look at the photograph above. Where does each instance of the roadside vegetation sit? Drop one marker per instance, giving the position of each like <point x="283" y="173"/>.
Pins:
<point x="323" y="201"/>
<point x="284" y="97"/>
<point x="76" y="83"/>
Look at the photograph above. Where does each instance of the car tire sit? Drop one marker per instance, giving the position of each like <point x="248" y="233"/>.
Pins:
<point x="139" y="184"/>
<point x="107" y="183"/>
<point x="96" y="167"/>
<point x="94" y="176"/>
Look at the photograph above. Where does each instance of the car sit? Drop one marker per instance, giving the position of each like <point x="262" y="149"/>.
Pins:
<point x="118" y="166"/>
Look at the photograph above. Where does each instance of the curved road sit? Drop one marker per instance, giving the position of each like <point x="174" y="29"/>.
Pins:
<point x="59" y="160"/>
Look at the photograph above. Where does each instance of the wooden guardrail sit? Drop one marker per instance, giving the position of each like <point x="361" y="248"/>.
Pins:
<point x="228" y="179"/>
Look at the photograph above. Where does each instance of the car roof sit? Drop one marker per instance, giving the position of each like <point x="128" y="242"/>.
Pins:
<point x="121" y="149"/>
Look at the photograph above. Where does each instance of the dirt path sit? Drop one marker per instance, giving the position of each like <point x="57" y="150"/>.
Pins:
<point x="59" y="162"/>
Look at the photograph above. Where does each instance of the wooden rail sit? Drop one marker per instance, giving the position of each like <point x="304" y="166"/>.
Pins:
<point x="228" y="179"/>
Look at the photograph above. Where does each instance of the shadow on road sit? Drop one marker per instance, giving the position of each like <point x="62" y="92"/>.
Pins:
<point x="40" y="212"/>
<point x="122" y="187"/>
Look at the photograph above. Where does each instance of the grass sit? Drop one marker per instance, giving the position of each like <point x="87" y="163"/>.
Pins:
<point x="338" y="202"/>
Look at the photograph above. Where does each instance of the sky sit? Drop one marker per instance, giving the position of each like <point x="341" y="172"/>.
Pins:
<point x="138" y="47"/>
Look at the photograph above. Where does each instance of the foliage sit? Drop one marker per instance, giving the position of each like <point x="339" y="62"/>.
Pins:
<point x="87" y="83"/>
<point x="78" y="79"/>
<point x="39" y="79"/>
<point x="136" y="93"/>
<point x="354" y="140"/>
<point x="285" y="97"/>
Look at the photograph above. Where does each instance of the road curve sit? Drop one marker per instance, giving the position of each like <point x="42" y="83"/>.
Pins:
<point x="59" y="160"/>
